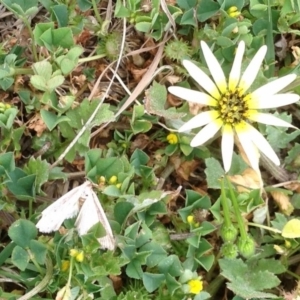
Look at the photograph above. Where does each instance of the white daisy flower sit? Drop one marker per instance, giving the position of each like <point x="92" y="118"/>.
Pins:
<point x="232" y="108"/>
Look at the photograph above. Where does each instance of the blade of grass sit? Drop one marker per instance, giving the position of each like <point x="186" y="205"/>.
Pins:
<point x="270" y="56"/>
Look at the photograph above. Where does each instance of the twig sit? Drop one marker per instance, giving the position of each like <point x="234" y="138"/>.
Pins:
<point x="89" y="121"/>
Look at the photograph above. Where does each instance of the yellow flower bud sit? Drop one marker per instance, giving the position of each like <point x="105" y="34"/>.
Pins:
<point x="73" y="252"/>
<point x="113" y="179"/>
<point x="232" y="9"/>
<point x="80" y="256"/>
<point x="119" y="185"/>
<point x="287" y="244"/>
<point x="102" y="180"/>
<point x="172" y="138"/>
<point x="65" y="264"/>
<point x="233" y="12"/>
<point x="190" y="219"/>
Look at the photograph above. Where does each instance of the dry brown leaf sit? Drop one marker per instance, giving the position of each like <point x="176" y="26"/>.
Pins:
<point x="247" y="181"/>
<point x="186" y="168"/>
<point x="283" y="201"/>
<point x="37" y="124"/>
<point x="293" y="186"/>
<point x="140" y="142"/>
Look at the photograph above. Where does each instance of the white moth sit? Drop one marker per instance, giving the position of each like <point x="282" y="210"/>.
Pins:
<point x="68" y="206"/>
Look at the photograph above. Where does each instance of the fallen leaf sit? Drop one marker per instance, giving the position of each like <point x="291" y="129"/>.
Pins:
<point x="248" y="180"/>
<point x="37" y="124"/>
<point x="283" y="201"/>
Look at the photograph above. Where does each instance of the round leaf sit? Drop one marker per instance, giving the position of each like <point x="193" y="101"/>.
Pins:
<point x="22" y="232"/>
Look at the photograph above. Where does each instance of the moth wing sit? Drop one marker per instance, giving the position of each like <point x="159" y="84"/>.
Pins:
<point x="90" y="214"/>
<point x="66" y="207"/>
<point x="87" y="217"/>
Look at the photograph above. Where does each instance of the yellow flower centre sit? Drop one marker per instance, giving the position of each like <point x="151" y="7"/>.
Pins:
<point x="233" y="107"/>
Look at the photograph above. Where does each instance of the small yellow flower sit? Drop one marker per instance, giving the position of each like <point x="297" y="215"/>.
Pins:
<point x="196" y="286"/>
<point x="172" y="138"/>
<point x="7" y="106"/>
<point x="113" y="179"/>
<point x="80" y="256"/>
<point x="233" y="12"/>
<point x="191" y="219"/>
<point x="73" y="252"/>
<point x="65" y="264"/>
<point x="119" y="185"/>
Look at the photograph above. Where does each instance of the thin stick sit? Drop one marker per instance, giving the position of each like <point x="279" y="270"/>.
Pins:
<point x="89" y="121"/>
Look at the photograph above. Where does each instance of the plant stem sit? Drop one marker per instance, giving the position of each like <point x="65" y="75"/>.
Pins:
<point x="226" y="212"/>
<point x="97" y="15"/>
<point x="90" y="58"/>
<point x="237" y="211"/>
<point x="264" y="227"/>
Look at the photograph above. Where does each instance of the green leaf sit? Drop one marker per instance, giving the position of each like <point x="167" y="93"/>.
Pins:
<point x="111" y="191"/>
<point x="188" y="17"/>
<point x="20" y="258"/>
<point x="61" y="14"/>
<point x="55" y="82"/>
<point x="23" y="4"/>
<point x="43" y="68"/>
<point x="134" y="270"/>
<point x="170" y="265"/>
<point x="121" y="211"/>
<point x="155" y="102"/>
<point x="157" y="254"/>
<point x="6" y="83"/>
<point x="40" y="168"/>
<point x="63" y="37"/>
<point x="7" y="163"/>
<point x="39" y="29"/>
<point x="22" y="185"/>
<point x="137" y="159"/>
<point x="39" y="82"/>
<point x="51" y="119"/>
<point x="143" y="26"/>
<point x="278" y="136"/>
<point x="84" y="5"/>
<point x="152" y="281"/>
<point x="22" y="232"/>
<point x="214" y="172"/>
<point x="246" y="281"/>
<point x="39" y="251"/>
<point x="172" y="283"/>
<point x="83" y="112"/>
<point x="186" y="4"/>
<point x="207" y="9"/>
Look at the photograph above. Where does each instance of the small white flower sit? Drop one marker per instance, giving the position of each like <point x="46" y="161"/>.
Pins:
<point x="232" y="107"/>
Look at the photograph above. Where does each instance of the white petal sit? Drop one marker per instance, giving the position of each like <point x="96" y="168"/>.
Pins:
<point x="251" y="71"/>
<point x="214" y="68"/>
<point x="206" y="133"/>
<point x="201" y="78"/>
<point x="227" y="146"/>
<point x="274" y="86"/>
<point x="192" y="96"/>
<point x="262" y="144"/>
<point x="235" y="73"/>
<point x="269" y="119"/>
<point x="249" y="147"/>
<point x="273" y="101"/>
<point x="199" y="120"/>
